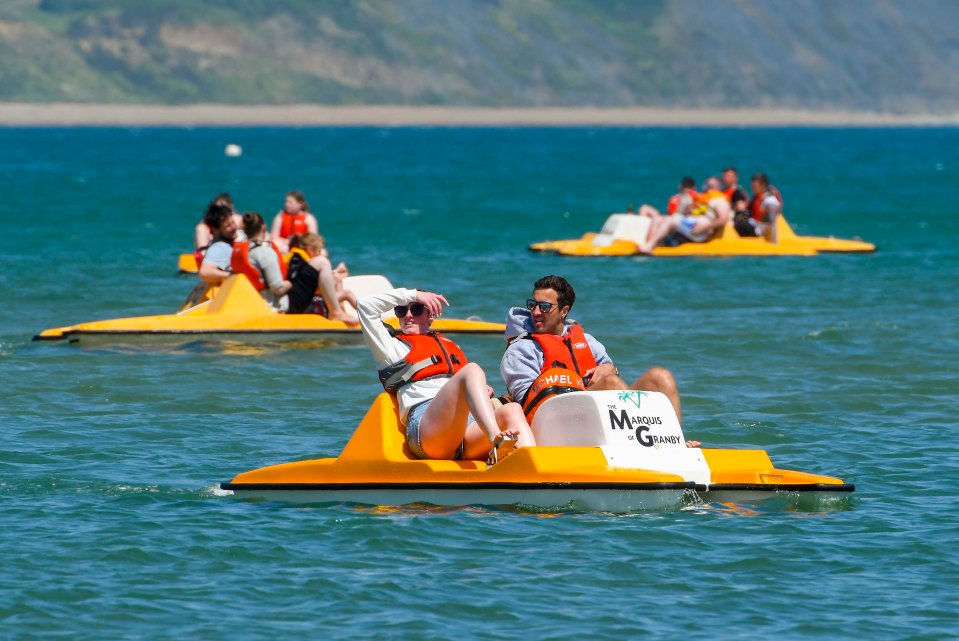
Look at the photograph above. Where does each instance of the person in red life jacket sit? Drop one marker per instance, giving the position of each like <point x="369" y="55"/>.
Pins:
<point x="549" y="354"/>
<point x="678" y="202"/>
<point x="737" y="195"/>
<point x="695" y="222"/>
<point x="444" y="400"/>
<point x="261" y="263"/>
<point x="215" y="267"/>
<point x="765" y="206"/>
<point x="294" y="218"/>
<point x="311" y="273"/>
<point x="203" y="232"/>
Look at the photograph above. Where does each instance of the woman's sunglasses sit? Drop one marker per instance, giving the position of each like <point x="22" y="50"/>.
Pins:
<point x="544" y="306"/>
<point x="414" y="308"/>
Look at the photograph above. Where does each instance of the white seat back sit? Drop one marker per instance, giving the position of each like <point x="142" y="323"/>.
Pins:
<point x="364" y="285"/>
<point x="623" y="227"/>
<point x="634" y="429"/>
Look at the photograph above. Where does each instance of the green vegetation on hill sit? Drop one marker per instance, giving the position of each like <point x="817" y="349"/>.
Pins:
<point x="878" y="55"/>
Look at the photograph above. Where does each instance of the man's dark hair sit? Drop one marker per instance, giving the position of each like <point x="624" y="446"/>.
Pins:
<point x="687" y="183"/>
<point x="215" y="213"/>
<point x="564" y="291"/>
<point x="732" y="169"/>
<point x="761" y="178"/>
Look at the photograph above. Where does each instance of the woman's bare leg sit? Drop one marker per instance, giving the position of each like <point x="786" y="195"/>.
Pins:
<point x="659" y="379"/>
<point x="443" y="426"/>
<point x="658" y="230"/>
<point x="328" y="288"/>
<point x="510" y="419"/>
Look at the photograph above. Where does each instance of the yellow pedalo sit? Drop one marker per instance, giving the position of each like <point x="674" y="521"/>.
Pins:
<point x="596" y="451"/>
<point x="622" y="235"/>
<point x="186" y="264"/>
<point x="237" y="312"/>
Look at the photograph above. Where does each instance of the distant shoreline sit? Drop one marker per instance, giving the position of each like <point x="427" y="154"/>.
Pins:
<point x="130" y="115"/>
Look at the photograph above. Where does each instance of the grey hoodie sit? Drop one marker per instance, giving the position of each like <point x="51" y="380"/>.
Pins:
<point x="523" y="359"/>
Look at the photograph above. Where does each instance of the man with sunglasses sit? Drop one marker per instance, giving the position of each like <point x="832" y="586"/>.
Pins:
<point x="543" y="345"/>
<point x="444" y="400"/>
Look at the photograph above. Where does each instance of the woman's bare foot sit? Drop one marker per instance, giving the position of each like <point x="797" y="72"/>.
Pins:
<point x="349" y="319"/>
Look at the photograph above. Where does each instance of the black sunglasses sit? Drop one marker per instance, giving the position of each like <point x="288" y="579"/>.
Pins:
<point x="544" y="306"/>
<point x="414" y="308"/>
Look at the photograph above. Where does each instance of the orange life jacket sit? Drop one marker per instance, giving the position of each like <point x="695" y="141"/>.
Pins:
<point x="565" y="359"/>
<point x="756" y="204"/>
<point x="240" y="262"/>
<point x="293" y="224"/>
<point x="432" y="355"/>
<point x="701" y="201"/>
<point x="673" y="203"/>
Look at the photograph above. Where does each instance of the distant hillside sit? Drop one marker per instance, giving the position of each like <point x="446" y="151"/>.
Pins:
<point x="875" y="55"/>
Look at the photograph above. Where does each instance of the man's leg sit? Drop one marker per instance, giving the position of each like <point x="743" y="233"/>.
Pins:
<point x="659" y="379"/>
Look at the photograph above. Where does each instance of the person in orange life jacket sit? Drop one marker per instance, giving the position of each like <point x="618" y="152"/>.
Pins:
<point x="678" y="201"/>
<point x="215" y="267"/>
<point x="737" y="195"/>
<point x="312" y="273"/>
<point x="543" y="326"/>
<point x="203" y="232"/>
<point x="765" y="206"/>
<point x="444" y="400"/>
<point x="262" y="264"/>
<point x="694" y="222"/>
<point x="294" y="218"/>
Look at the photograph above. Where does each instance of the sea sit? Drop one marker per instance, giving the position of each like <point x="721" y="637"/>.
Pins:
<point x="112" y="521"/>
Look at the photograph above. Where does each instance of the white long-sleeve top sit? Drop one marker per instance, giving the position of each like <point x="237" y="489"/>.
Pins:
<point x="387" y="350"/>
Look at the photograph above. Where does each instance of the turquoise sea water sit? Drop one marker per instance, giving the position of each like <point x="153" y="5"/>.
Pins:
<point x="111" y="526"/>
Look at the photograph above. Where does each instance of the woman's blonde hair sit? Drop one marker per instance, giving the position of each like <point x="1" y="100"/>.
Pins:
<point x="308" y="241"/>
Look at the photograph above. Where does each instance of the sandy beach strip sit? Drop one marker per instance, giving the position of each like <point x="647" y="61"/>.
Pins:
<point x="133" y="115"/>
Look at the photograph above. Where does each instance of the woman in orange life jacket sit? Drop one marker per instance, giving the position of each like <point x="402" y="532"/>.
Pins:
<point x="444" y="400"/>
<point x="311" y="272"/>
<point x="261" y="262"/>
<point x="294" y="218"/>
<point x="203" y="232"/>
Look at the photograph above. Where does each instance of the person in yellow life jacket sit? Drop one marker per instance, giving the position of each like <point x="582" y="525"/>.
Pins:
<point x="311" y="273"/>
<point x="695" y="222"/>
<point x="548" y="354"/>
<point x="294" y="218"/>
<point x="260" y="261"/>
<point x="444" y="400"/>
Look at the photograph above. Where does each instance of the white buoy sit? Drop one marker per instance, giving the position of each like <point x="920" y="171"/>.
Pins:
<point x="233" y="150"/>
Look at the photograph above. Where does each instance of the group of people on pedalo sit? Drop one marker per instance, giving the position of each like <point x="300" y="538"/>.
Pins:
<point x="445" y="403"/>
<point x="696" y="216"/>
<point x="289" y="264"/>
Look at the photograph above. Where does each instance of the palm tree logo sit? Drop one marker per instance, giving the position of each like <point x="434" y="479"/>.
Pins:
<point x="634" y="397"/>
